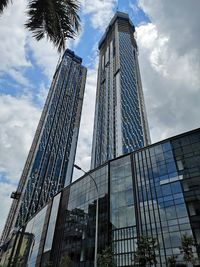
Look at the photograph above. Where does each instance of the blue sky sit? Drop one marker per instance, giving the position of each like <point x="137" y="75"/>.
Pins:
<point x="168" y="38"/>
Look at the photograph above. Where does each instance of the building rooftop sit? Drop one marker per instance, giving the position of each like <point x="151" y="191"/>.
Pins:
<point x="118" y="15"/>
<point x="72" y="55"/>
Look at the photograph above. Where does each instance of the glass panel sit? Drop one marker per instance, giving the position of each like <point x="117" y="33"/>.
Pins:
<point x="121" y="193"/>
<point x="79" y="217"/>
<point x="34" y="229"/>
<point x="52" y="223"/>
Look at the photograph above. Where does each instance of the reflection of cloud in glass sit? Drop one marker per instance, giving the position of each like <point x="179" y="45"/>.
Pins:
<point x="52" y="223"/>
<point x="35" y="227"/>
<point x="168" y="220"/>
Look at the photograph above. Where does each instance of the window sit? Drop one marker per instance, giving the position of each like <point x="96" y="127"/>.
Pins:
<point x="176" y="187"/>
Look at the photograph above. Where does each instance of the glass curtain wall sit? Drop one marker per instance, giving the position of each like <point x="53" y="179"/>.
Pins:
<point x="35" y="228"/>
<point x="122" y="211"/>
<point x="153" y="192"/>
<point x="80" y="214"/>
<point x="52" y="224"/>
<point x="162" y="208"/>
<point x="187" y="154"/>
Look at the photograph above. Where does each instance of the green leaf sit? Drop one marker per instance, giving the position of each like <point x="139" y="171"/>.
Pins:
<point x="4" y="4"/>
<point x="56" y="20"/>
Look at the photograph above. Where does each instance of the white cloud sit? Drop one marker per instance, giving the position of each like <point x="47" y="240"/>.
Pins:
<point x="84" y="147"/>
<point x="16" y="43"/>
<point x="13" y="40"/>
<point x="134" y="7"/>
<point x="100" y="11"/>
<point x="18" y="120"/>
<point x="45" y="55"/>
<point x="42" y="94"/>
<point x="19" y="77"/>
<point x="170" y="66"/>
<point x="178" y="20"/>
<point x="5" y="202"/>
<point x="73" y="43"/>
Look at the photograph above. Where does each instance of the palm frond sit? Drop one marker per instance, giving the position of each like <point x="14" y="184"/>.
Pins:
<point x="55" y="19"/>
<point x="3" y="4"/>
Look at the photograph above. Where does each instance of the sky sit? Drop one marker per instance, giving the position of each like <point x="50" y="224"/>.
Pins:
<point x="168" y="38"/>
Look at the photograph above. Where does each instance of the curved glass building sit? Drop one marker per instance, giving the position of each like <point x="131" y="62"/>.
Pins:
<point x="154" y="192"/>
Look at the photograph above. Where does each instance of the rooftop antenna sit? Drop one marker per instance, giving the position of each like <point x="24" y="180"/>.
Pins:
<point x="117" y="6"/>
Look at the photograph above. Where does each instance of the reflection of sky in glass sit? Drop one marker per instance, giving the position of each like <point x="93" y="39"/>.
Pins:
<point x="132" y="132"/>
<point x="162" y="208"/>
<point x="35" y="226"/>
<point x="122" y="211"/>
<point x="122" y="208"/>
<point x="78" y="239"/>
<point x="52" y="223"/>
<point x="83" y="192"/>
<point x="157" y="188"/>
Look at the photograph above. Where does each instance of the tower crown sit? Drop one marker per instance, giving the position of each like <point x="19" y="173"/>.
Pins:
<point x="118" y="16"/>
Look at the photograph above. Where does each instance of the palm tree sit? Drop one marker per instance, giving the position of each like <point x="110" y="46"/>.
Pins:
<point x="3" y="4"/>
<point x="57" y="20"/>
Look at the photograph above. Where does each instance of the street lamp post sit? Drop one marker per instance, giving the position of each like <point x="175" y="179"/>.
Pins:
<point x="97" y="214"/>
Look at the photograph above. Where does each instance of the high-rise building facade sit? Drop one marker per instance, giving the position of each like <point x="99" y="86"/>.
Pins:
<point x="50" y="161"/>
<point x="153" y="192"/>
<point x="120" y="124"/>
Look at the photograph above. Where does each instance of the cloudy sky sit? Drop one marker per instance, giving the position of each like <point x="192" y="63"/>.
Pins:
<point x="168" y="37"/>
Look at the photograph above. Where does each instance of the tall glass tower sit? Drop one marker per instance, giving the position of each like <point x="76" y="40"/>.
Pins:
<point x="50" y="161"/>
<point x="120" y="124"/>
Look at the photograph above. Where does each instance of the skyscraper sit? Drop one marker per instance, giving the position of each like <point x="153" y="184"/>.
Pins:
<point x="120" y="124"/>
<point x="50" y="161"/>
